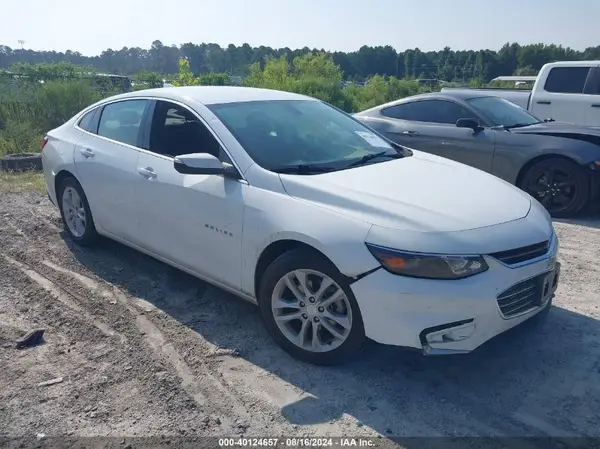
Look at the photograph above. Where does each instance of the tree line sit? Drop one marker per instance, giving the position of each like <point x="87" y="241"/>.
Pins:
<point x="46" y="95"/>
<point x="446" y="64"/>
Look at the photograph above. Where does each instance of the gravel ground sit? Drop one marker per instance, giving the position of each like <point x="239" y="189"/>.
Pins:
<point x="145" y="350"/>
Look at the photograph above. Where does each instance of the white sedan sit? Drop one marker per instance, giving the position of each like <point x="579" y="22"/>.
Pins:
<point x="337" y="234"/>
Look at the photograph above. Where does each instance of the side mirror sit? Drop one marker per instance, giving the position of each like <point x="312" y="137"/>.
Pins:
<point x="202" y="164"/>
<point x="468" y="123"/>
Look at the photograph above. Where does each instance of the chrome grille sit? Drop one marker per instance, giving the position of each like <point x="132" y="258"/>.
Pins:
<point x="522" y="254"/>
<point x="522" y="297"/>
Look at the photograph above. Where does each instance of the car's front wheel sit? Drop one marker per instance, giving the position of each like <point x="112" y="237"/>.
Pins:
<point x="75" y="212"/>
<point x="309" y="309"/>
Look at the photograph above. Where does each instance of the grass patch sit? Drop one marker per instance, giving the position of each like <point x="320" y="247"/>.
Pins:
<point x="30" y="181"/>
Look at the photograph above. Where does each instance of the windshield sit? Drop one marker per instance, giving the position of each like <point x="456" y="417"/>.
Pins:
<point x="501" y="112"/>
<point x="282" y="135"/>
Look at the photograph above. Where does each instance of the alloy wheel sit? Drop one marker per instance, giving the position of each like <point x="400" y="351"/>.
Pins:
<point x="311" y="310"/>
<point x="554" y="188"/>
<point x="74" y="212"/>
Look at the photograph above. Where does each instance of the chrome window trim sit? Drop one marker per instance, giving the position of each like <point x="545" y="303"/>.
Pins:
<point x="149" y="98"/>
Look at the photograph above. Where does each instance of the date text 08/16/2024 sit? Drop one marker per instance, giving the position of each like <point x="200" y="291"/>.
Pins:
<point x="296" y="442"/>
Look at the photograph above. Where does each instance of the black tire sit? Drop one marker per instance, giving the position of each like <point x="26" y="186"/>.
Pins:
<point x="566" y="172"/>
<point x="305" y="259"/>
<point x="19" y="162"/>
<point x="90" y="235"/>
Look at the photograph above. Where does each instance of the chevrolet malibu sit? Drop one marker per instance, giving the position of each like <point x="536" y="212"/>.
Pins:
<point x="336" y="233"/>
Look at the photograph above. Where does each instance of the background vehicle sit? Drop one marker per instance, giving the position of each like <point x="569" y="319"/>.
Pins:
<point x="566" y="91"/>
<point x="289" y="203"/>
<point x="558" y="164"/>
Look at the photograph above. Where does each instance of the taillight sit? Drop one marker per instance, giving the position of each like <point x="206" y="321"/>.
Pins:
<point x="44" y="142"/>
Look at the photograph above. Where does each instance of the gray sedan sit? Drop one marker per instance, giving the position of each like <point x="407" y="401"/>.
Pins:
<point x="557" y="163"/>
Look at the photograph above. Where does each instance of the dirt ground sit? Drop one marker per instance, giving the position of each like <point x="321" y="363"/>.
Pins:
<point x="145" y="350"/>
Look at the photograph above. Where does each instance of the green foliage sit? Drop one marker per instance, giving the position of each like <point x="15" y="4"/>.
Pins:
<point x="147" y="80"/>
<point x="35" y="73"/>
<point x="19" y="137"/>
<point x="215" y="79"/>
<point x="377" y="90"/>
<point x="185" y="77"/>
<point x="317" y="75"/>
<point x="40" y="96"/>
<point x="446" y="64"/>
<point x="30" y="106"/>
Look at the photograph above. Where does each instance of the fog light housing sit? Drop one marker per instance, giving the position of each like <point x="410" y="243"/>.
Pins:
<point x="451" y="334"/>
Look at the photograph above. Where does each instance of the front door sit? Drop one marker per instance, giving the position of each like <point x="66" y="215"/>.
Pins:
<point x="459" y="144"/>
<point x="193" y="220"/>
<point x="430" y="125"/>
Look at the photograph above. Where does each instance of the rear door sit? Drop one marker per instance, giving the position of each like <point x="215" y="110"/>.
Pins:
<point x="105" y="160"/>
<point x="567" y="95"/>
<point x="430" y="125"/>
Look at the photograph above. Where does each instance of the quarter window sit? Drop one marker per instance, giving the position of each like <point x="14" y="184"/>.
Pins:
<point x="567" y="80"/>
<point x="87" y="121"/>
<point x="122" y="121"/>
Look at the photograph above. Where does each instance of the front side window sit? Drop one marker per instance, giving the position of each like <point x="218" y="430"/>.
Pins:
<point x="175" y="130"/>
<point x="285" y="134"/>
<point x="501" y="112"/>
<point x="567" y="80"/>
<point x="121" y="121"/>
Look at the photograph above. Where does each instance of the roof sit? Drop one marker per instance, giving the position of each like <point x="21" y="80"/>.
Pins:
<point x="515" y="78"/>
<point x="574" y="63"/>
<point x="216" y="94"/>
<point x="459" y="94"/>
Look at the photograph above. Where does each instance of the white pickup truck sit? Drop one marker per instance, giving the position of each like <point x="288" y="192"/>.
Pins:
<point x="567" y="91"/>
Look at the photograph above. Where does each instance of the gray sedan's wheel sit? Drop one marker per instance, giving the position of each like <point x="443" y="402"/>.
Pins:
<point x="75" y="212"/>
<point x="560" y="185"/>
<point x="309" y="309"/>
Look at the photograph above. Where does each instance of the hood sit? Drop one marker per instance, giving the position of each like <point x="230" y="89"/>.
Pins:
<point x="424" y="193"/>
<point x="560" y="129"/>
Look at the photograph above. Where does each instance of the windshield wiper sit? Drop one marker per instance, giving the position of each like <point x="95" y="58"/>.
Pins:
<point x="368" y="157"/>
<point x="303" y="169"/>
<point x="519" y="125"/>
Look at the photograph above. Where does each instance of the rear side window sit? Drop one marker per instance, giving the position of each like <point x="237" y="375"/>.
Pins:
<point x="400" y="111"/>
<point x="567" y="80"/>
<point x="122" y="121"/>
<point x="87" y="122"/>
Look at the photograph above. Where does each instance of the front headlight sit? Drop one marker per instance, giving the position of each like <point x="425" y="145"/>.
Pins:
<point x="429" y="266"/>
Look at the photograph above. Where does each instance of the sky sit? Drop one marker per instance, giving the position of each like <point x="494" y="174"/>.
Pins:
<point x="345" y="25"/>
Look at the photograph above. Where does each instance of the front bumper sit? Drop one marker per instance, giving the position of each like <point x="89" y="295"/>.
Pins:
<point x="444" y="317"/>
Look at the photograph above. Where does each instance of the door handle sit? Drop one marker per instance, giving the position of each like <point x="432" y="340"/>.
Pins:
<point x="410" y="133"/>
<point x="544" y="102"/>
<point x="87" y="153"/>
<point x="147" y="172"/>
<point x="596" y="105"/>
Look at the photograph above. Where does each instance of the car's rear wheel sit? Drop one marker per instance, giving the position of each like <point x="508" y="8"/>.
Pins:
<point x="309" y="309"/>
<point x="75" y="212"/>
<point x="560" y="185"/>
